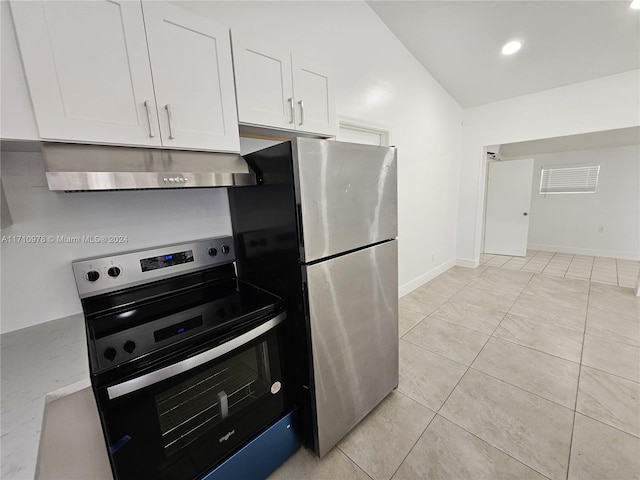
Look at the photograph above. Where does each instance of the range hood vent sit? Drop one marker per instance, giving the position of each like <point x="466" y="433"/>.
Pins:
<point x="73" y="168"/>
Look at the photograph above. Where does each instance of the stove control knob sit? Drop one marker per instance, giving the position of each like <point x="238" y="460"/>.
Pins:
<point x="114" y="272"/>
<point x="92" y="275"/>
<point x="110" y="353"/>
<point x="213" y="252"/>
<point x="225" y="249"/>
<point x="129" y="346"/>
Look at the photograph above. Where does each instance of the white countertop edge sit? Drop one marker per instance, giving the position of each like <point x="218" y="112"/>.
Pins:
<point x="51" y="397"/>
<point x="67" y="390"/>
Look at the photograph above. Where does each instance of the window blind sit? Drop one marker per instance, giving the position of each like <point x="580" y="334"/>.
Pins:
<point x="570" y="179"/>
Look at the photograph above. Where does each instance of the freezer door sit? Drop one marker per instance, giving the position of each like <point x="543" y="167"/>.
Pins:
<point x="347" y="194"/>
<point x="353" y="307"/>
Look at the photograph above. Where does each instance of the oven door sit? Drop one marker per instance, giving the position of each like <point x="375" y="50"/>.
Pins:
<point x="182" y="418"/>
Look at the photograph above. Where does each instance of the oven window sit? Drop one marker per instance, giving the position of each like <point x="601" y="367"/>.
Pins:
<point x="195" y="406"/>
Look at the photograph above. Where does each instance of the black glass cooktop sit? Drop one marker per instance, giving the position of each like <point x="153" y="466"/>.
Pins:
<point x="161" y="317"/>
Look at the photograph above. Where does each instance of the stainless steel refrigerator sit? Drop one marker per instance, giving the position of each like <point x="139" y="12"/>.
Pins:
<point x="320" y="230"/>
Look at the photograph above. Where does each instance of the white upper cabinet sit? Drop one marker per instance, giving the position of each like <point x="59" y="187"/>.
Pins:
<point x="276" y="89"/>
<point x="193" y="78"/>
<point x="95" y="75"/>
<point x="263" y="84"/>
<point x="88" y="70"/>
<point x="315" y="105"/>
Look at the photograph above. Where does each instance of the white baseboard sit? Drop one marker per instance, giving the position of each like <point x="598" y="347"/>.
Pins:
<point x="467" y="262"/>
<point x="422" y="279"/>
<point x="583" y="251"/>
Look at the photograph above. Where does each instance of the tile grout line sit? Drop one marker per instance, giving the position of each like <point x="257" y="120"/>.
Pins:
<point x="608" y="425"/>
<point x="530" y="348"/>
<point x="443" y="403"/>
<point x="452" y="390"/>
<point x="469" y="368"/>
<point x="456" y="386"/>
<point x="417" y="440"/>
<point x="434" y="353"/>
<point x="474" y="359"/>
<point x="469" y="328"/>
<point x="609" y="373"/>
<point x="580" y="364"/>
<point x="489" y="335"/>
<point x="490" y="445"/>
<point x="611" y="340"/>
<point x="579" y="367"/>
<point x="354" y="462"/>
<point x="492" y="335"/>
<point x="429" y="314"/>
<point x="520" y="388"/>
<point x="535" y="349"/>
<point x="550" y="261"/>
<point x="457" y="324"/>
<point x="575" y="405"/>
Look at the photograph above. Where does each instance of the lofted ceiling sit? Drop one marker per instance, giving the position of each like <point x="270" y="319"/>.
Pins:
<point x="563" y="42"/>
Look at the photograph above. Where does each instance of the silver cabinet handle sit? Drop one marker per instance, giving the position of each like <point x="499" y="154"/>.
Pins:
<point x="293" y="110"/>
<point x="148" y="107"/>
<point x="301" y="112"/>
<point x="167" y="107"/>
<point x="187" y="364"/>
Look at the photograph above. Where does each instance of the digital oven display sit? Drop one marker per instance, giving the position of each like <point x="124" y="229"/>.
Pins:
<point x="163" y="261"/>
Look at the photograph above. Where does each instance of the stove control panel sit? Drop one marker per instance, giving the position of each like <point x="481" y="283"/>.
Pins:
<point x="106" y="274"/>
<point x="119" y="347"/>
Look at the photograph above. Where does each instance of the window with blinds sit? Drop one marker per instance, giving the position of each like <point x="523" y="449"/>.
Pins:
<point x="570" y="179"/>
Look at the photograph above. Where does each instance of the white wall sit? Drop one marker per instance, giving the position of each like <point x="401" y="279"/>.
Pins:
<point x="569" y="222"/>
<point x="602" y="104"/>
<point x="377" y="80"/>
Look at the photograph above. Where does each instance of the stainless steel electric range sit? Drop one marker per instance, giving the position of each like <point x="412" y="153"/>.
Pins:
<point x="188" y="364"/>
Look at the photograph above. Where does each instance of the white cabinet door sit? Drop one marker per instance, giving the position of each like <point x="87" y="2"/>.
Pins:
<point x="315" y="105"/>
<point x="263" y="84"/>
<point x="193" y="79"/>
<point x="88" y="70"/>
<point x="277" y="89"/>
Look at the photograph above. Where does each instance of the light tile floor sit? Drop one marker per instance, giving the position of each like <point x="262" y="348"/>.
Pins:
<point x="504" y="374"/>
<point x="610" y="271"/>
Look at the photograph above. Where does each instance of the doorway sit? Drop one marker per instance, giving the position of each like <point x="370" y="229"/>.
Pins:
<point x="584" y="215"/>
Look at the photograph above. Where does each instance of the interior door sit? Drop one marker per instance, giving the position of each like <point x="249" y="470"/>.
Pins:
<point x="193" y="78"/>
<point x="353" y="315"/>
<point x="263" y="83"/>
<point x="315" y="105"/>
<point x="508" y="205"/>
<point x="88" y="70"/>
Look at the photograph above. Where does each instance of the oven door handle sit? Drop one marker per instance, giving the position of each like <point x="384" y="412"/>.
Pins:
<point x="187" y="364"/>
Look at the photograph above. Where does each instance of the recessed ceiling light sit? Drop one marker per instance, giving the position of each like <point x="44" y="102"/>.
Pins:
<point x="635" y="4"/>
<point x="512" y="47"/>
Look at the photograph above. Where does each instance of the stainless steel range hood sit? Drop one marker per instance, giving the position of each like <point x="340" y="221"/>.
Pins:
<point x="71" y="167"/>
